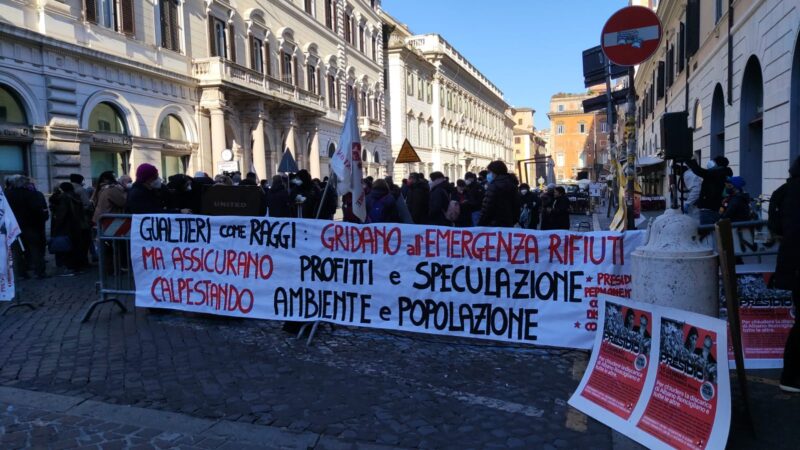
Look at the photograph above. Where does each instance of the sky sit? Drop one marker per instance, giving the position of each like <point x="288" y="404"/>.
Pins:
<point x="530" y="49"/>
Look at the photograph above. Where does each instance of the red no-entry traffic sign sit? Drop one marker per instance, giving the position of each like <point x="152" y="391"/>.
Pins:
<point x="631" y="35"/>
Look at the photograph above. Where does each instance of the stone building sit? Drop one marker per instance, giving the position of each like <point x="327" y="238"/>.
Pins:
<point x="94" y="85"/>
<point x="735" y="68"/>
<point x="578" y="140"/>
<point x="530" y="153"/>
<point x="455" y="118"/>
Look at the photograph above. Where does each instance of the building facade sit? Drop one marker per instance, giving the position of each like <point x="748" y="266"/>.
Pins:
<point x="94" y="85"/>
<point x="737" y="74"/>
<point x="530" y="152"/>
<point x="578" y="140"/>
<point x="455" y="118"/>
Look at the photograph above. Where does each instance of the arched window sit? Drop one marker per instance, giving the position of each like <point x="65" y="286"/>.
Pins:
<point x="172" y="129"/>
<point x="718" y="123"/>
<point x="11" y="110"/>
<point x="331" y="150"/>
<point x="364" y="155"/>
<point x="751" y="127"/>
<point x="105" y="118"/>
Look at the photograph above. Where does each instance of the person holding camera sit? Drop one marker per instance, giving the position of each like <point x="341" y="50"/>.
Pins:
<point x="714" y="177"/>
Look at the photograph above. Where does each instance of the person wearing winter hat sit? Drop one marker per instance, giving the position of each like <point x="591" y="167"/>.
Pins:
<point x="736" y="204"/>
<point x="144" y="196"/>
<point x="501" y="202"/>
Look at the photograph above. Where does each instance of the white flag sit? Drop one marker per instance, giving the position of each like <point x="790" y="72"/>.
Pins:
<point x="9" y="232"/>
<point x="346" y="163"/>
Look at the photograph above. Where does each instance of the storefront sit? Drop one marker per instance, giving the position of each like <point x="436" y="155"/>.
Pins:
<point x="16" y="135"/>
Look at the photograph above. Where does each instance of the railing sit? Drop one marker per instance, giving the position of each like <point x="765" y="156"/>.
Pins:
<point x="213" y="71"/>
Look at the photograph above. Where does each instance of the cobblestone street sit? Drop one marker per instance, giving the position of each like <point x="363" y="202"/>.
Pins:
<point x="198" y="381"/>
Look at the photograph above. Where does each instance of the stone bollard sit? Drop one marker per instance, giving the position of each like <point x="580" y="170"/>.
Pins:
<point x="675" y="269"/>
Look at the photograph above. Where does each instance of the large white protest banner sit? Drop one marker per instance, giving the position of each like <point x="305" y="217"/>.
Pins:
<point x="491" y="283"/>
<point x="9" y="232"/>
<point x="658" y="375"/>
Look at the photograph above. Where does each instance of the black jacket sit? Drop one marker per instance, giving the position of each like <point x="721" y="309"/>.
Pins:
<point x="417" y="202"/>
<point x="278" y="201"/>
<point x="713" y="185"/>
<point x="144" y="201"/>
<point x="381" y="207"/>
<point x="473" y="197"/>
<point x="737" y="207"/>
<point x="29" y="208"/>
<point x="787" y="271"/>
<point x="69" y="218"/>
<point x="559" y="214"/>
<point x="500" y="206"/>
<point x="534" y="204"/>
<point x="438" y="204"/>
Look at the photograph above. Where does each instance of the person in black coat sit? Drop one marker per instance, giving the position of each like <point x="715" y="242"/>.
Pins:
<point x="180" y="192"/>
<point x="381" y="204"/>
<point x="558" y="216"/>
<point x="418" y="199"/>
<point x="736" y="206"/>
<point x="473" y="197"/>
<point x="784" y="222"/>
<point x="439" y="200"/>
<point x="533" y="203"/>
<point x="30" y="209"/>
<point x="68" y="220"/>
<point x="200" y="183"/>
<point x="501" y="203"/>
<point x="147" y="195"/>
<point x="304" y="192"/>
<point x="712" y="187"/>
<point x="278" y="199"/>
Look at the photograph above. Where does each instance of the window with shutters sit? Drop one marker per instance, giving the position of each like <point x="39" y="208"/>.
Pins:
<point x="363" y="104"/>
<point x="170" y="24"/>
<point x="330" y="15"/>
<point x="332" y="95"/>
<point x="286" y="67"/>
<point x="410" y="84"/>
<point x="231" y="43"/>
<point x="256" y="54"/>
<point x="107" y="14"/>
<point x="311" y="78"/>
<point x="361" y="38"/>
<point x="309" y="6"/>
<point x="375" y="47"/>
<point x="348" y="28"/>
<point x="126" y="16"/>
<point x="217" y="35"/>
<point x="430" y="93"/>
<point x="420" y="88"/>
<point x="681" y="47"/>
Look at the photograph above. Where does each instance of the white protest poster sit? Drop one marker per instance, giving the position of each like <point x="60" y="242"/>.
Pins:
<point x="512" y="285"/>
<point x="684" y="401"/>
<point x="9" y="232"/>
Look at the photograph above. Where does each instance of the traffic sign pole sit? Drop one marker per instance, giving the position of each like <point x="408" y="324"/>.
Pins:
<point x="630" y="37"/>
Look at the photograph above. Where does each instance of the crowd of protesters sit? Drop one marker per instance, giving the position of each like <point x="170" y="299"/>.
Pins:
<point x="493" y="197"/>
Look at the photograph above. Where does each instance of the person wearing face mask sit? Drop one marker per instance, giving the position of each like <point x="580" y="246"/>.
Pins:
<point x="125" y="181"/>
<point x="736" y="204"/>
<point x="180" y="192"/>
<point x="714" y="177"/>
<point x="144" y="196"/>
<point x="473" y="198"/>
<point x="110" y="197"/>
<point x="501" y="203"/>
<point x="531" y="207"/>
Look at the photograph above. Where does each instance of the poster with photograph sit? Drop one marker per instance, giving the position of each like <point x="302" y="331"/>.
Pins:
<point x="622" y="362"/>
<point x="766" y="316"/>
<point x="654" y="376"/>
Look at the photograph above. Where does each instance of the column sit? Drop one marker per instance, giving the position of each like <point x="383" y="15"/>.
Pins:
<point x="259" y="149"/>
<point x="218" y="141"/>
<point x="313" y="158"/>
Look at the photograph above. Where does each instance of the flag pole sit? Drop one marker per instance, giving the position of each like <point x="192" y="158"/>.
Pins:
<point x="331" y="179"/>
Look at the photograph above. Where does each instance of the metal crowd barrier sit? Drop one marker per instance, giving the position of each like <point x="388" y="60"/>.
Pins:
<point x="751" y="238"/>
<point x="114" y="254"/>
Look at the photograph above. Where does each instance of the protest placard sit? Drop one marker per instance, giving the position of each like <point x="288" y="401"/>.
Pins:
<point x="766" y="317"/>
<point x="683" y="400"/>
<point x="509" y="285"/>
<point x="9" y="232"/>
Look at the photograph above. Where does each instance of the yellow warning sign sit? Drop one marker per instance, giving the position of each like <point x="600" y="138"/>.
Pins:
<point x="407" y="154"/>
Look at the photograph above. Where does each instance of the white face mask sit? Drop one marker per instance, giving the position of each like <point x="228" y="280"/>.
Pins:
<point x="468" y="182"/>
<point x="189" y="188"/>
<point x="523" y="192"/>
<point x="297" y="181"/>
<point x="156" y="184"/>
<point x="711" y="164"/>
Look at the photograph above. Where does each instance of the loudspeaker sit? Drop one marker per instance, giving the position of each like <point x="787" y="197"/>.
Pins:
<point x="676" y="138"/>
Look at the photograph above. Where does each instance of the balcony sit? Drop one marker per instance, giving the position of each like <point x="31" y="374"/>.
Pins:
<point x="370" y="127"/>
<point x="217" y="72"/>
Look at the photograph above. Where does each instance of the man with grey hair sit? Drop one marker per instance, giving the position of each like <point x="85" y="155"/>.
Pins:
<point x="30" y="209"/>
